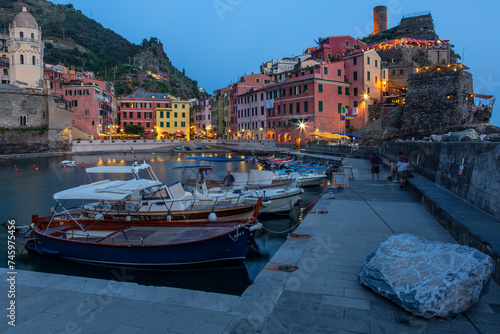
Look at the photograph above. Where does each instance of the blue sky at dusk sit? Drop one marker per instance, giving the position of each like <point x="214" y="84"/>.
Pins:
<point x="216" y="41"/>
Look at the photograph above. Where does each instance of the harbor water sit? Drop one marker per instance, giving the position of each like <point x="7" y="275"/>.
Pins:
<point x="28" y="186"/>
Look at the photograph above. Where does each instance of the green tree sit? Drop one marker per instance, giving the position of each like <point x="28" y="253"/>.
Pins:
<point x="134" y="129"/>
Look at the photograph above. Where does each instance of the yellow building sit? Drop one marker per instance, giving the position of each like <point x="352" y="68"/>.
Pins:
<point x="173" y="120"/>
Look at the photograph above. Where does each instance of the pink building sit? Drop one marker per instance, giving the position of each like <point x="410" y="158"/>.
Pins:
<point x="202" y="115"/>
<point x="364" y="72"/>
<point x="333" y="48"/>
<point x="250" y="122"/>
<point x="93" y="107"/>
<point x="308" y="100"/>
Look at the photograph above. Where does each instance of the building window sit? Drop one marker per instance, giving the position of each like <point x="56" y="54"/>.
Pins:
<point x="329" y="56"/>
<point x="339" y="72"/>
<point x="376" y="79"/>
<point x="21" y="34"/>
<point x="34" y="60"/>
<point x="139" y="105"/>
<point x="183" y="124"/>
<point x="22" y="120"/>
<point x="355" y="75"/>
<point x="147" y="125"/>
<point x="346" y="44"/>
<point x="393" y="72"/>
<point x="368" y="60"/>
<point x="87" y="112"/>
<point x="161" y="114"/>
<point x="175" y="115"/>
<point x="340" y="108"/>
<point x="401" y="71"/>
<point x="305" y="88"/>
<point x="183" y="106"/>
<point x="161" y="124"/>
<point x="354" y="61"/>
<point x="368" y="90"/>
<point x="368" y="75"/>
<point x="262" y="96"/>
<point x="168" y="114"/>
<point x="139" y="115"/>
<point x="376" y="62"/>
<point x="339" y="90"/>
<point x="325" y="70"/>
<point x="175" y="106"/>
<point x="355" y="104"/>
<point x="284" y="109"/>
<point x="291" y="108"/>
<point x="306" y="106"/>
<point x="175" y="124"/>
<point x="297" y="108"/>
<point x="320" y="88"/>
<point x="320" y="106"/>
<point x="93" y="123"/>
<point x="355" y="91"/>
<point x="279" y="110"/>
<point x="131" y="114"/>
<point x="347" y="91"/>
<point x="167" y="124"/>
<point x="262" y="110"/>
<point x="157" y="105"/>
<point x="21" y="59"/>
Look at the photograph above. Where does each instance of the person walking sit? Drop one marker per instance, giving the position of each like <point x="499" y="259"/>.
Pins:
<point x="375" y="161"/>
<point x="402" y="166"/>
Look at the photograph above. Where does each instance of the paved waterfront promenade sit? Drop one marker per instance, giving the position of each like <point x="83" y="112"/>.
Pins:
<point x="322" y="296"/>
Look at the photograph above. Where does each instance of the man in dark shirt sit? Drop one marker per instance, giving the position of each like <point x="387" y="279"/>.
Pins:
<point x="376" y="161"/>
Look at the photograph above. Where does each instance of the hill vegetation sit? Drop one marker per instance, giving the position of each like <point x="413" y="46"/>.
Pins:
<point x="76" y="41"/>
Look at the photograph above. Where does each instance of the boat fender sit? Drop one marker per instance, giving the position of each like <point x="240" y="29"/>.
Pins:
<point x="257" y="226"/>
<point x="212" y="217"/>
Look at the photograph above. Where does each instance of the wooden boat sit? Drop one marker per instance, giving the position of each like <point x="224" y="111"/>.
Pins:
<point x="143" y="243"/>
<point x="280" y="194"/>
<point x="149" y="199"/>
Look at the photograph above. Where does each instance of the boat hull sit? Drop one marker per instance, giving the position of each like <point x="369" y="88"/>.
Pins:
<point x="233" y="246"/>
<point x="282" y="202"/>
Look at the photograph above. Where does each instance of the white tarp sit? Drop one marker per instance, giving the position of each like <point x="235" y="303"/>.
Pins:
<point x="117" y="169"/>
<point x="260" y="177"/>
<point x="106" y="190"/>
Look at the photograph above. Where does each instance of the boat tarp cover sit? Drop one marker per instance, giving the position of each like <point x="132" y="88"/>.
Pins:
<point x="106" y="190"/>
<point x="116" y="169"/>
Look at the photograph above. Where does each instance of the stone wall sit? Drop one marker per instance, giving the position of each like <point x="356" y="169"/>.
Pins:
<point x="437" y="101"/>
<point x="47" y="129"/>
<point x="479" y="183"/>
<point x="14" y="103"/>
<point x="419" y="27"/>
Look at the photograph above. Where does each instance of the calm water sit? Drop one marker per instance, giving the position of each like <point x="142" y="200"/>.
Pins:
<point x="29" y="191"/>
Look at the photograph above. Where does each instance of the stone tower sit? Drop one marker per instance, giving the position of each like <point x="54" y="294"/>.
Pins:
<point x="379" y="19"/>
<point x="26" y="51"/>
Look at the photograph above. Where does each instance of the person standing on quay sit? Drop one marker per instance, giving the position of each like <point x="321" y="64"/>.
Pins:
<point x="375" y="161"/>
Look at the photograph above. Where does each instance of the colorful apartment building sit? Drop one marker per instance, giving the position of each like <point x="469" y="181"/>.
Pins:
<point x="139" y="109"/>
<point x="334" y="48"/>
<point x="324" y="97"/>
<point x="224" y="103"/>
<point x="201" y="115"/>
<point x="364" y="72"/>
<point x="94" y="108"/>
<point x="172" y="119"/>
<point x="251" y="116"/>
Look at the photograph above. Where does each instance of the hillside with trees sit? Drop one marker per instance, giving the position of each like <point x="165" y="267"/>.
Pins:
<point x="76" y="41"/>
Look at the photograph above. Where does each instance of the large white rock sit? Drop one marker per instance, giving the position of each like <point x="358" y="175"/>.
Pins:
<point x="427" y="278"/>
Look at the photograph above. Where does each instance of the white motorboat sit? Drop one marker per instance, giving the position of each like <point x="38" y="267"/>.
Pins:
<point x="279" y="195"/>
<point x="68" y="163"/>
